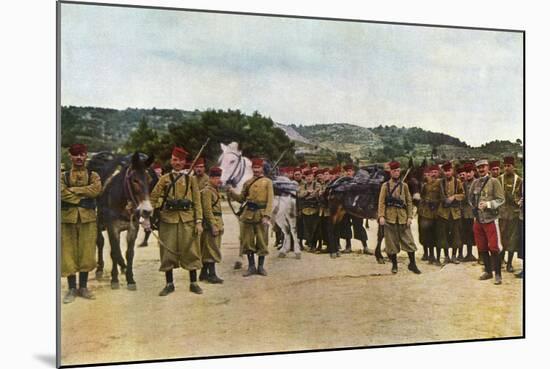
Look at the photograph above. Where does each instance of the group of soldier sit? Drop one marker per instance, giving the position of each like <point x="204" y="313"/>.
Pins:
<point x="466" y="205"/>
<point x="454" y="209"/>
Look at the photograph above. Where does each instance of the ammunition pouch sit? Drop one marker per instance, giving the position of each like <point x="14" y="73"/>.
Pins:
<point x="432" y="205"/>
<point x="309" y="203"/>
<point x="254" y="206"/>
<point x="179" y="205"/>
<point x="451" y="204"/>
<point x="396" y="203"/>
<point x="86" y="203"/>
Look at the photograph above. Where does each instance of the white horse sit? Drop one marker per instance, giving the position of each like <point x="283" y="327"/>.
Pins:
<point x="237" y="169"/>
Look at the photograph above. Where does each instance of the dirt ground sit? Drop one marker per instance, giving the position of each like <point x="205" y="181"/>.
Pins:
<point x="312" y="303"/>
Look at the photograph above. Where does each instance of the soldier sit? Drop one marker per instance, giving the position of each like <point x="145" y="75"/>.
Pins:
<point x="359" y="231"/>
<point x="467" y="214"/>
<point x="430" y="197"/>
<point x="521" y="239"/>
<point x="494" y="166"/>
<point x="326" y="226"/>
<point x="200" y="173"/>
<point x="157" y="168"/>
<point x="395" y="213"/>
<point x="299" y="220"/>
<point x="79" y="188"/>
<point x="448" y="213"/>
<point x="257" y="198"/>
<point x="509" y="212"/>
<point x="211" y="238"/>
<point x="485" y="197"/>
<point x="308" y="195"/>
<point x="180" y="225"/>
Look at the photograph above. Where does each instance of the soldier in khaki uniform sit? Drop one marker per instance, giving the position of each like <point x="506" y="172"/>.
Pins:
<point x="308" y="196"/>
<point x="494" y="167"/>
<point x="326" y="226"/>
<point x="485" y="197"/>
<point x="299" y="219"/>
<point x="200" y="173"/>
<point x="177" y="196"/>
<point x="79" y="188"/>
<point x="467" y="215"/>
<point x="508" y="221"/>
<point x="395" y="213"/>
<point x="257" y="199"/>
<point x="430" y="197"/>
<point x="211" y="238"/>
<point x="448" y="213"/>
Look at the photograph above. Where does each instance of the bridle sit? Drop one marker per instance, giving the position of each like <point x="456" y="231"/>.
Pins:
<point x="238" y="171"/>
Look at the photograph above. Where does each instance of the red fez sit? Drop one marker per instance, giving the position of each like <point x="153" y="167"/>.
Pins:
<point x="215" y="172"/>
<point x="77" y="149"/>
<point x="200" y="161"/>
<point x="156" y="165"/>
<point x="297" y="169"/>
<point x="394" y="165"/>
<point x="334" y="171"/>
<point x="314" y="165"/>
<point x="180" y="153"/>
<point x="427" y="169"/>
<point x="460" y="170"/>
<point x="468" y="167"/>
<point x="509" y="160"/>
<point x="434" y="167"/>
<point x="494" y="164"/>
<point x="307" y="172"/>
<point x="348" y="166"/>
<point x="303" y="166"/>
<point x="447" y="166"/>
<point x="338" y="168"/>
<point x="257" y="162"/>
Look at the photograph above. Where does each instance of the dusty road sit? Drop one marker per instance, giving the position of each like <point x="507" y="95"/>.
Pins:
<point x="312" y="303"/>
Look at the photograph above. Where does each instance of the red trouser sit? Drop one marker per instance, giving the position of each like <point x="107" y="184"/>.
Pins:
<point x="486" y="236"/>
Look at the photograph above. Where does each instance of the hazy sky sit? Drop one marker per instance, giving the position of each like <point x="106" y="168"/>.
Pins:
<point x="462" y="82"/>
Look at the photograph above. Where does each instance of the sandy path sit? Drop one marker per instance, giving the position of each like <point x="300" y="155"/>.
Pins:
<point x="313" y="303"/>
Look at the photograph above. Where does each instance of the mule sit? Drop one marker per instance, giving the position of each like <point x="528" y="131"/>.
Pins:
<point x="124" y="200"/>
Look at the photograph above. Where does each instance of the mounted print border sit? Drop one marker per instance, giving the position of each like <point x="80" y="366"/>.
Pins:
<point x="268" y="183"/>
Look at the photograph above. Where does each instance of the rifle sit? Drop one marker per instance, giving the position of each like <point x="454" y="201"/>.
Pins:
<point x="198" y="155"/>
<point x="156" y="213"/>
<point x="276" y="163"/>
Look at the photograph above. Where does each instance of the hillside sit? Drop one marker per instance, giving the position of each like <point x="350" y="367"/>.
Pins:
<point x="109" y="129"/>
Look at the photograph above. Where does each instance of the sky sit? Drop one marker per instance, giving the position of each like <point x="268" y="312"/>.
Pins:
<point x="466" y="83"/>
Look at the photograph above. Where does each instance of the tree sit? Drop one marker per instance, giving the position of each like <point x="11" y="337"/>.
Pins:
<point x="143" y="139"/>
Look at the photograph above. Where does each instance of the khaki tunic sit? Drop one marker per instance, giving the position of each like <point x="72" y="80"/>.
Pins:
<point x="78" y="224"/>
<point x="254" y="234"/>
<point x="449" y="188"/>
<point x="509" y="212"/>
<point x="180" y="243"/>
<point x="397" y="234"/>
<point x="202" y="181"/>
<point x="430" y="197"/>
<point x="212" y="213"/>
<point x="310" y="214"/>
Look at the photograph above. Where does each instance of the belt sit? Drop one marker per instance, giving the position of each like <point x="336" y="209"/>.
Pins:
<point x="217" y="213"/>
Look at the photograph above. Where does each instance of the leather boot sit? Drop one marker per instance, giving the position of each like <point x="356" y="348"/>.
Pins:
<point x="212" y="277"/>
<point x="251" y="265"/>
<point x="70" y="296"/>
<point x="425" y="254"/>
<point x="261" y="270"/>
<point x="393" y="259"/>
<point x="412" y="264"/>
<point x="203" y="276"/>
<point x="509" y="267"/>
<point x="487" y="274"/>
<point x="168" y="289"/>
<point x="496" y="259"/>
